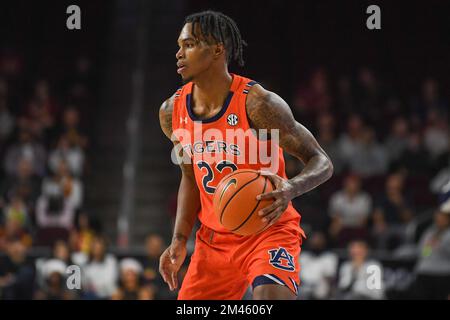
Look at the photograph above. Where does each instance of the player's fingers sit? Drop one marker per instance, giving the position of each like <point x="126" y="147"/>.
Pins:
<point x="273" y="221"/>
<point x="269" y="215"/>
<point x="265" y="211"/>
<point x="275" y="179"/>
<point x="174" y="280"/>
<point x="274" y="216"/>
<point x="268" y="195"/>
<point x="168" y="279"/>
<point x="164" y="272"/>
<point x="165" y="276"/>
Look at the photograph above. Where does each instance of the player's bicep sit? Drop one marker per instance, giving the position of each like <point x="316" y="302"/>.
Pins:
<point x="179" y="156"/>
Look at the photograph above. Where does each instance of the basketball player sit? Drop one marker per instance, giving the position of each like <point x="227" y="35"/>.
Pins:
<point x="224" y="264"/>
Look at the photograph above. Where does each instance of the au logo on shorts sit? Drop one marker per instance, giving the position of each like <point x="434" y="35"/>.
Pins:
<point x="232" y="119"/>
<point x="281" y="259"/>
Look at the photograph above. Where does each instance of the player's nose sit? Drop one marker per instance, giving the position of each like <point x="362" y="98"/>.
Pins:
<point x="179" y="54"/>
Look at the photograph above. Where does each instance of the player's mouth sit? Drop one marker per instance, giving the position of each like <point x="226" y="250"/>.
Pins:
<point x="181" y="67"/>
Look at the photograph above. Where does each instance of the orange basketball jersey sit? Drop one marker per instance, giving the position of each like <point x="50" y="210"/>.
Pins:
<point x="222" y="144"/>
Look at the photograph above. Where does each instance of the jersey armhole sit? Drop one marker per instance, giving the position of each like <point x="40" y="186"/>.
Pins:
<point x="245" y="92"/>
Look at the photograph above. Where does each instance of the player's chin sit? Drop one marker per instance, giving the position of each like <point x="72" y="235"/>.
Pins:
<point x="186" y="78"/>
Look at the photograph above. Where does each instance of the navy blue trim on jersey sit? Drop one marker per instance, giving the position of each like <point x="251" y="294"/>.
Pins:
<point x="214" y="118"/>
<point x="267" y="279"/>
<point x="248" y="86"/>
<point x="295" y="285"/>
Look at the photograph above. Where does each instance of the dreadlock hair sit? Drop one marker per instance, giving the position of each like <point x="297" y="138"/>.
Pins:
<point x="222" y="29"/>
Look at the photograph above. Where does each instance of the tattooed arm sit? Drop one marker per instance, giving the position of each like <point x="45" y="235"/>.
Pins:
<point x="266" y="110"/>
<point x="188" y="204"/>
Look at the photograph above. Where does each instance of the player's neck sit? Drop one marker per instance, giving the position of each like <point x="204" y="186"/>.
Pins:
<point x="211" y="88"/>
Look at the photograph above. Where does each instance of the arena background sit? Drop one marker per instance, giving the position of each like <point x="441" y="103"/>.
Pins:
<point x="85" y="167"/>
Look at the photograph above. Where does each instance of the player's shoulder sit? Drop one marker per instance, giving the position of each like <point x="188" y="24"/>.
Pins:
<point x="165" y="115"/>
<point x="260" y="99"/>
<point x="168" y="104"/>
<point x="256" y="98"/>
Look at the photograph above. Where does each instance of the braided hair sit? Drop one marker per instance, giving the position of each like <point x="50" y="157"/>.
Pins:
<point x="222" y="29"/>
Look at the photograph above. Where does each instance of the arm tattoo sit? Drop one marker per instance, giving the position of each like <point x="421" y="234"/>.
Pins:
<point x="165" y="117"/>
<point x="165" y="121"/>
<point x="266" y="110"/>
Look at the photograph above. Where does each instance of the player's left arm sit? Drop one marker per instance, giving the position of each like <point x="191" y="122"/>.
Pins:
<point x="267" y="110"/>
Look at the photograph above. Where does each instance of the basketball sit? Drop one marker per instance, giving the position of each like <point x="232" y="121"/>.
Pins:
<point x="235" y="203"/>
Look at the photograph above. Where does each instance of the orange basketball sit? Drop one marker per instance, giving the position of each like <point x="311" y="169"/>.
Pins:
<point x="235" y="203"/>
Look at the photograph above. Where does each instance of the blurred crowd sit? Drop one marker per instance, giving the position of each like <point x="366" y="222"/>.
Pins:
<point x="44" y="148"/>
<point x="389" y="194"/>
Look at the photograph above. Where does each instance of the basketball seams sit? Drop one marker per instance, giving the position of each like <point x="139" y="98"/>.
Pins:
<point x="235" y="193"/>
<point x="251" y="213"/>
<point x="237" y="172"/>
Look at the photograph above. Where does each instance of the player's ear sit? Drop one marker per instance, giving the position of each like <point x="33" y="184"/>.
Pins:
<point x="219" y="50"/>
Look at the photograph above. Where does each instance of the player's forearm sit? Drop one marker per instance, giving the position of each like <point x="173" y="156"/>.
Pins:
<point x="316" y="171"/>
<point x="188" y="204"/>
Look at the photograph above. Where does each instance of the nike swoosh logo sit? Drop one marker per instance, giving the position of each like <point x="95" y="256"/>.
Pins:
<point x="232" y="181"/>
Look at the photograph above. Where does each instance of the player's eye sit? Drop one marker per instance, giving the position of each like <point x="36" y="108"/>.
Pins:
<point x="189" y="45"/>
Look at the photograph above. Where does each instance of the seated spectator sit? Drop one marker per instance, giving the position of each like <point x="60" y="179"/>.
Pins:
<point x="53" y="212"/>
<point x="73" y="155"/>
<point x="16" y="272"/>
<point x="154" y="248"/>
<point x="370" y="157"/>
<point x="327" y="140"/>
<point x="370" y="94"/>
<point x="318" y="269"/>
<point x="82" y="235"/>
<point x="55" y="287"/>
<point x="349" y="210"/>
<point x="69" y="186"/>
<point x="131" y="287"/>
<point x="12" y="230"/>
<point x="154" y="245"/>
<point x="415" y="158"/>
<point x="393" y="212"/>
<point x="25" y="184"/>
<point x="26" y="148"/>
<point x="61" y="252"/>
<point x="430" y="99"/>
<point x="436" y="136"/>
<point x="350" y="139"/>
<point x="61" y="196"/>
<point x="397" y="141"/>
<point x="18" y="211"/>
<point x="353" y="283"/>
<point x="433" y="266"/>
<point x="315" y="97"/>
<point x="42" y="110"/>
<point x="71" y="128"/>
<point x="100" y="272"/>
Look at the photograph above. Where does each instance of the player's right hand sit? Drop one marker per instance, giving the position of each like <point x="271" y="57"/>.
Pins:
<point x="171" y="261"/>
